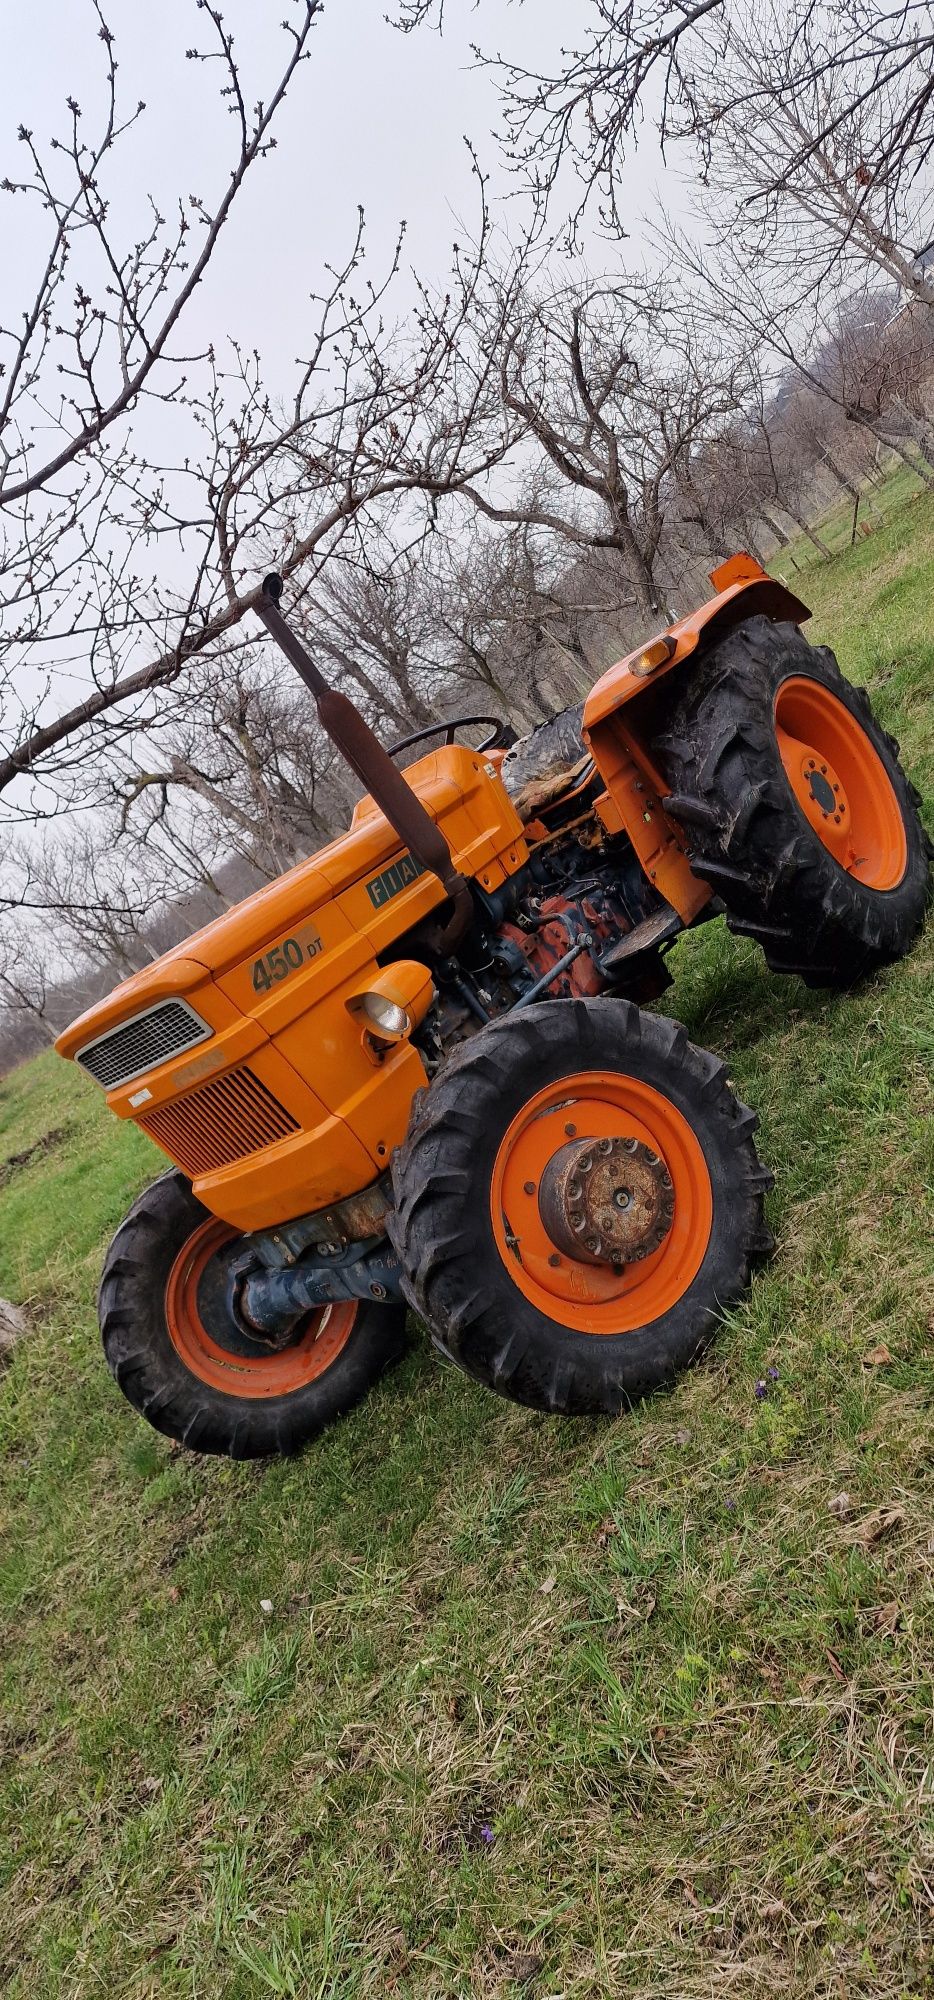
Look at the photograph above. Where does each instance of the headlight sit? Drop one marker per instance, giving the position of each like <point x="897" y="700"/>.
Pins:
<point x="385" y="1014"/>
<point x="392" y="1000"/>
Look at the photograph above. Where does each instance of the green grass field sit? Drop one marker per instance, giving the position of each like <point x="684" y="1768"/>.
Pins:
<point x="835" y="528"/>
<point x="542" y="1707"/>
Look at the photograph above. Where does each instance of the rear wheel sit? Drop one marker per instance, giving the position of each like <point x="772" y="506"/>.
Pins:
<point x="796" y="807"/>
<point x="577" y="1201"/>
<point x="184" y="1363"/>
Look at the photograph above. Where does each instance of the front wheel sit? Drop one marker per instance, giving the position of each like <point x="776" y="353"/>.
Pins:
<point x="191" y="1371"/>
<point x="795" y="806"/>
<point x="577" y="1201"/>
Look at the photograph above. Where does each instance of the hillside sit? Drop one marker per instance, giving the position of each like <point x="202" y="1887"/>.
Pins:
<point x="541" y="1707"/>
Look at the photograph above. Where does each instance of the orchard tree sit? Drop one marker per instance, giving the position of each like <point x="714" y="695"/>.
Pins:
<point x="845" y="87"/>
<point x="612" y="393"/>
<point x="119" y="570"/>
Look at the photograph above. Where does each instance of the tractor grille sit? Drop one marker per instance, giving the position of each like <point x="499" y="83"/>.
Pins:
<point x="143" y="1043"/>
<point x="221" y="1121"/>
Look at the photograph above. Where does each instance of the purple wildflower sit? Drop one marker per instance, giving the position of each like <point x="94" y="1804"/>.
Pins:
<point x="487" y="1835"/>
<point x="762" y="1389"/>
<point x="772" y="1374"/>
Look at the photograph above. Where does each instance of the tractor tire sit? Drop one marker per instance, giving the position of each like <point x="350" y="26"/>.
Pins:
<point x="504" y="1297"/>
<point x="191" y="1372"/>
<point x="796" y="808"/>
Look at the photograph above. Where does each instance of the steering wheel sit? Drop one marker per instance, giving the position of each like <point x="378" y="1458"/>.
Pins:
<point x="449" y="730"/>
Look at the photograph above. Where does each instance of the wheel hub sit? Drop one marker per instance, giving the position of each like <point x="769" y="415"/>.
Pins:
<point x="620" y="1290"/>
<point x="606" y="1201"/>
<point x="826" y="800"/>
<point x="219" y="1350"/>
<point x="822" y="791"/>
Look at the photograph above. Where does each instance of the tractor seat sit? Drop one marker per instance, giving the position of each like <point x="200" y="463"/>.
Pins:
<point x="546" y="764"/>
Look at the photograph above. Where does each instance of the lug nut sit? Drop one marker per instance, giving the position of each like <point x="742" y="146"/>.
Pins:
<point x="554" y="1260"/>
<point x="529" y="1187"/>
<point x="622" y="1198"/>
<point x="571" y="1131"/>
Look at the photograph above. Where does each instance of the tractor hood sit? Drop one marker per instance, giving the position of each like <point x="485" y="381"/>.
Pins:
<point x="453" y="783"/>
<point x="240" y="1052"/>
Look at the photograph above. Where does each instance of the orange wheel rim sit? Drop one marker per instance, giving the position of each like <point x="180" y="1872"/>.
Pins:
<point x="319" y="1341"/>
<point x="840" y="783"/>
<point x="590" y="1297"/>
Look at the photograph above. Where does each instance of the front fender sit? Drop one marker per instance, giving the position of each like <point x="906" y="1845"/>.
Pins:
<point x="743" y="589"/>
<point x="620" y="729"/>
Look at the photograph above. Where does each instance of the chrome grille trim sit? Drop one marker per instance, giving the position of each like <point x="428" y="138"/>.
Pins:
<point x="143" y="1042"/>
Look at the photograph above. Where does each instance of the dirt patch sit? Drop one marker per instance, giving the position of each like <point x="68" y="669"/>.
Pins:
<point x="471" y="1829"/>
<point x="48" y="1143"/>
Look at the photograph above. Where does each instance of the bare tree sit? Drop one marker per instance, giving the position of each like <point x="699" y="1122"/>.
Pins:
<point x="614" y="392"/>
<point x="240" y="767"/>
<point x="29" y="989"/>
<point x="870" y="360"/>
<point x="804" y="172"/>
<point x="97" y="905"/>
<point x="582" y="108"/>
<point x="854" y="79"/>
<point x="90" y="351"/>
<point x="508" y="644"/>
<point x="879" y="364"/>
<point x="374" y="623"/>
<point x="125" y="568"/>
<point x="114" y="338"/>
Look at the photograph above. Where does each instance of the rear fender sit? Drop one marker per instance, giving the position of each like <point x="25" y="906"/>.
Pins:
<point x="624" y="712"/>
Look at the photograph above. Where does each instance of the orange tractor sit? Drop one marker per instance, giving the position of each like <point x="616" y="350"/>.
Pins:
<point x="416" y="1070"/>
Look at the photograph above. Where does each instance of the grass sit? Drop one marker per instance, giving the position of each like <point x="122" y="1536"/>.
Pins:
<point x="835" y="528"/>
<point x="542" y="1708"/>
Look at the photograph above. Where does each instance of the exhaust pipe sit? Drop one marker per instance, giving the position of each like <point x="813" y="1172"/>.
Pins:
<point x="355" y="740"/>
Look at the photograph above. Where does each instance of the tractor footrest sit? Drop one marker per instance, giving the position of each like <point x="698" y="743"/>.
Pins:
<point x="661" y="928"/>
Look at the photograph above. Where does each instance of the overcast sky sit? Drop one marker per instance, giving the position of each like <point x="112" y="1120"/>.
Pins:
<point x="373" y="118"/>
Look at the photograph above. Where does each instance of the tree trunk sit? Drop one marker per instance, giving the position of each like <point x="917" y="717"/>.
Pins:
<point x="842" y="478"/>
<point x="919" y="430"/>
<point x="913" y="464"/>
<point x="811" y="534"/>
<point x="776" y="527"/>
<point x="699" y="517"/>
<point x="643" y="582"/>
<point x="750" y="541"/>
